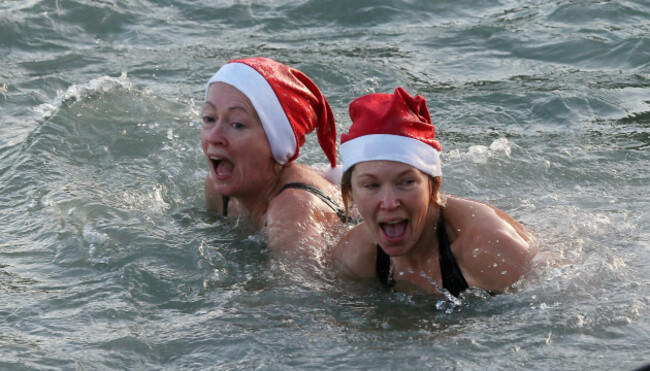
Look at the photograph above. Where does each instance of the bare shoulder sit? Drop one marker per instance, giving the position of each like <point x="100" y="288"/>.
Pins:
<point x="306" y="174"/>
<point x="290" y="223"/>
<point x="480" y="219"/>
<point x="300" y="205"/>
<point x="291" y="206"/>
<point x="298" y="220"/>
<point x="355" y="255"/>
<point x="492" y="249"/>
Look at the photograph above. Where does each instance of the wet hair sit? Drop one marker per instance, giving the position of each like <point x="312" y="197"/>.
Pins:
<point x="346" y="189"/>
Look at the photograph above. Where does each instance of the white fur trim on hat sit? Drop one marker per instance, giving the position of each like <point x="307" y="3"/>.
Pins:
<point x="392" y="148"/>
<point x="254" y="86"/>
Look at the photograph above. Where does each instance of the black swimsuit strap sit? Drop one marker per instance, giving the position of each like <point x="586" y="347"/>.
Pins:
<point x="318" y="193"/>
<point x="382" y="267"/>
<point x="224" y="207"/>
<point x="452" y="277"/>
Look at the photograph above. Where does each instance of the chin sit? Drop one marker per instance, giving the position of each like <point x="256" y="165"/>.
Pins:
<point x="223" y="188"/>
<point x="396" y="250"/>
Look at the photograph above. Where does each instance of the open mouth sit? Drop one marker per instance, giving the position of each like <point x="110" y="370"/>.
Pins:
<point x="394" y="231"/>
<point x="222" y="168"/>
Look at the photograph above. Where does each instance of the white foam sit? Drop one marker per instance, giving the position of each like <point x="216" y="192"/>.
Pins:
<point x="74" y="92"/>
<point x="500" y="147"/>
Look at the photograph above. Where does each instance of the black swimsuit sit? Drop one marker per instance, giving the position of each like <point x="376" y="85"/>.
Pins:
<point x="452" y="277"/>
<point x="309" y="188"/>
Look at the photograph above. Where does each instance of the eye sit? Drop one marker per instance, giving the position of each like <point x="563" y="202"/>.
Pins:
<point x="208" y="120"/>
<point x="370" y="185"/>
<point x="238" y="125"/>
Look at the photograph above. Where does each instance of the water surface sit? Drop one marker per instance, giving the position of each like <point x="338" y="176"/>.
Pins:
<point x="108" y="259"/>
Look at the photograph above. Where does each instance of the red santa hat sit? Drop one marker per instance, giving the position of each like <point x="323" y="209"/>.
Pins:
<point x="394" y="127"/>
<point x="287" y="102"/>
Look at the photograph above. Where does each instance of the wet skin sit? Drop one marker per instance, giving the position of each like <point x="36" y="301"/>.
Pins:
<point x="241" y="166"/>
<point x="492" y="250"/>
<point x="235" y="145"/>
<point x="394" y="200"/>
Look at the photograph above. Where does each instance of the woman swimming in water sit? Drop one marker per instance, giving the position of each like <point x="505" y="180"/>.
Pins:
<point x="412" y="236"/>
<point x="255" y="118"/>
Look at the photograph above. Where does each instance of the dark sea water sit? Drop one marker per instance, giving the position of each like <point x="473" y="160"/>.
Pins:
<point x="108" y="259"/>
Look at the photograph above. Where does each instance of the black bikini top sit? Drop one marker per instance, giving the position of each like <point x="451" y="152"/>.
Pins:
<point x="452" y="277"/>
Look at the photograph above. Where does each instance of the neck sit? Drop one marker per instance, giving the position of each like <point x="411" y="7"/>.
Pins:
<point x="257" y="203"/>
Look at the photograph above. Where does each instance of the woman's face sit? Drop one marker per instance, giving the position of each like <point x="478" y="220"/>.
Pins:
<point x="393" y="199"/>
<point x="234" y="142"/>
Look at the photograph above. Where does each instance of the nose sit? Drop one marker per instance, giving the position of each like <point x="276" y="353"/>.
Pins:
<point x="389" y="199"/>
<point x="215" y="134"/>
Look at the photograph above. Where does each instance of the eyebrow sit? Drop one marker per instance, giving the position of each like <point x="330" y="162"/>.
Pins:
<point x="237" y="107"/>
<point x="405" y="172"/>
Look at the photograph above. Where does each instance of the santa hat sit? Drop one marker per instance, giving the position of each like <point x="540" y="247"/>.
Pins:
<point x="394" y="127"/>
<point x="287" y="102"/>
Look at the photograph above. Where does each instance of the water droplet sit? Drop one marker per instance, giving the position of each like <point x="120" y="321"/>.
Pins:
<point x="504" y="272"/>
<point x="495" y="265"/>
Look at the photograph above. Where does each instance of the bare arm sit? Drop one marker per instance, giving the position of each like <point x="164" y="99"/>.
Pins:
<point x="498" y="262"/>
<point x="492" y="249"/>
